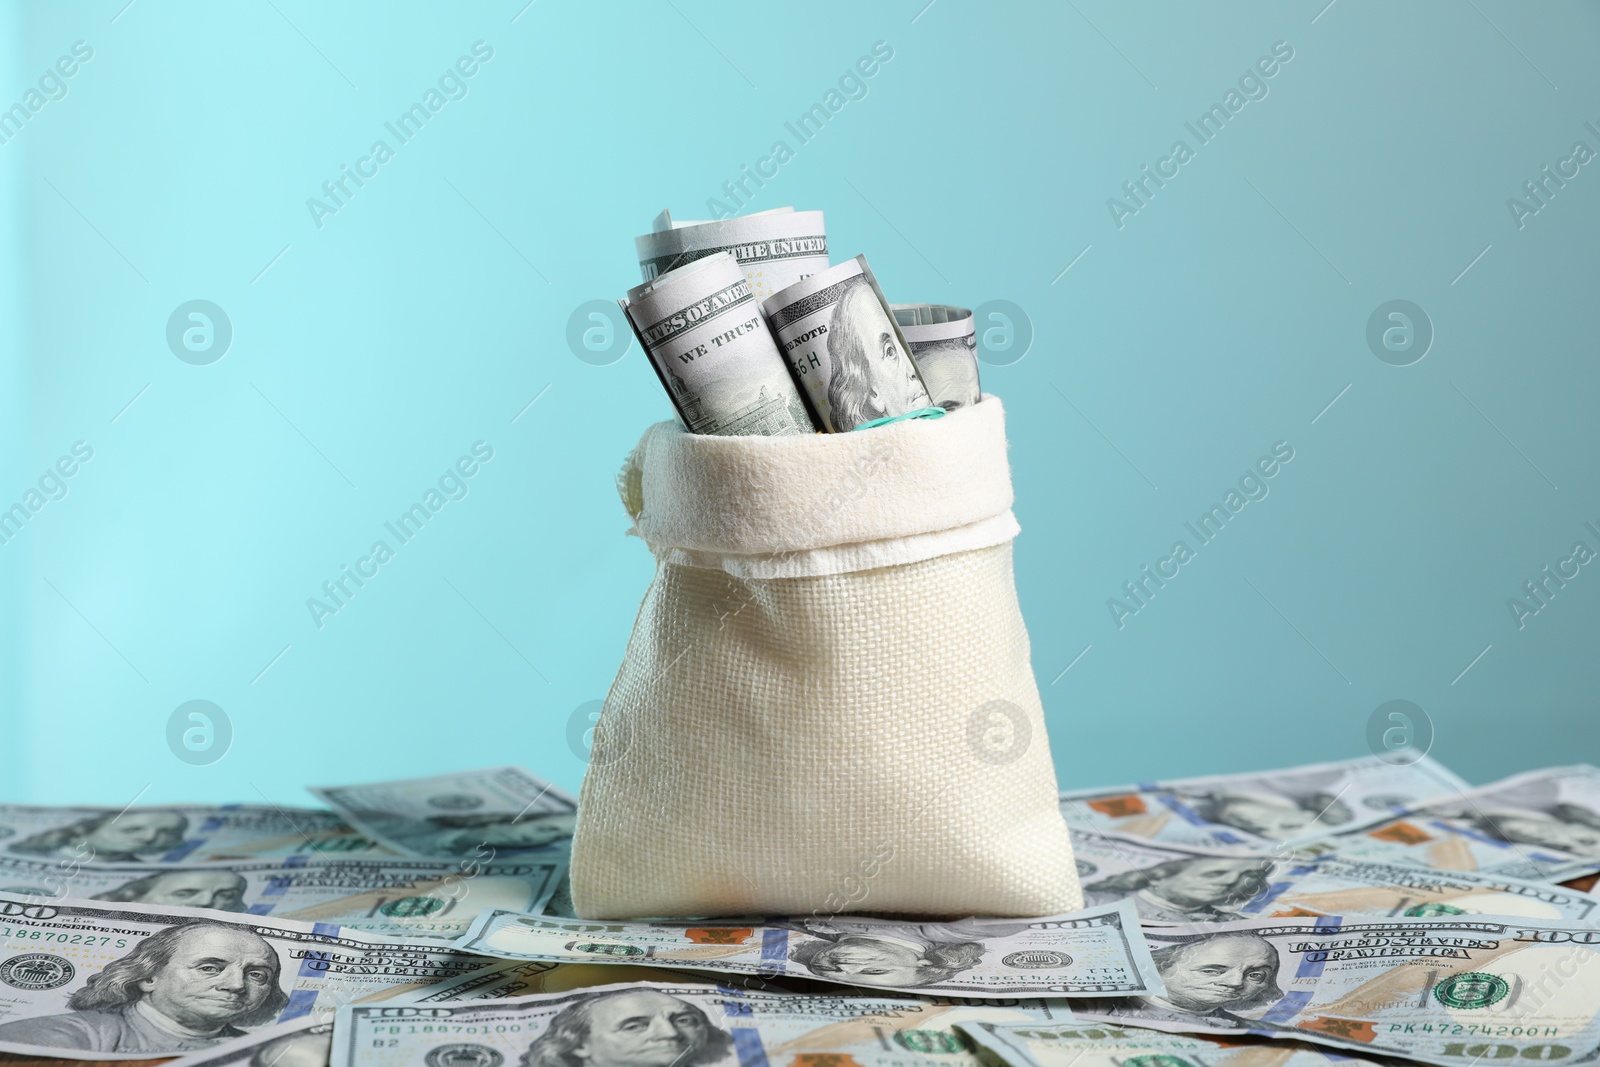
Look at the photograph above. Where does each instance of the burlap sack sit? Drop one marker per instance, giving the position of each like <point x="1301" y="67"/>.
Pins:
<point x="826" y="704"/>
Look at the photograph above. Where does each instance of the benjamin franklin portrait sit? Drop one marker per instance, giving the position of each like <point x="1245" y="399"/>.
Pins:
<point x="630" y="1028"/>
<point x="186" y="988"/>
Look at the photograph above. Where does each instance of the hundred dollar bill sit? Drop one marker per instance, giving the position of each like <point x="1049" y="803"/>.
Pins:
<point x="179" y="833"/>
<point x="1539" y="825"/>
<point x="501" y="811"/>
<point x="521" y="978"/>
<point x="1077" y="1044"/>
<point x="1093" y="953"/>
<point x="398" y="897"/>
<point x="944" y="347"/>
<point x="703" y="332"/>
<point x="774" y="248"/>
<point x="1177" y="884"/>
<point x="1451" y="991"/>
<point x="659" y="1024"/>
<point x="1263" y="809"/>
<point x="845" y="348"/>
<point x="102" y="981"/>
<point x="299" y="1043"/>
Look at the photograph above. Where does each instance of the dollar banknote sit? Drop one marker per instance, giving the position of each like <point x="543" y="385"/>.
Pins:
<point x="521" y="978"/>
<point x="1539" y="825"/>
<point x="660" y="1024"/>
<point x="944" y="347"/>
<point x="501" y="811"/>
<point x="1178" y="884"/>
<point x="1263" y="809"/>
<point x="399" y="897"/>
<point x="180" y="833"/>
<point x="93" y="980"/>
<point x="1452" y="991"/>
<point x="702" y="329"/>
<point x="302" y="1042"/>
<point x="845" y="349"/>
<point x="1077" y="1044"/>
<point x="1093" y="953"/>
<point x="774" y="248"/>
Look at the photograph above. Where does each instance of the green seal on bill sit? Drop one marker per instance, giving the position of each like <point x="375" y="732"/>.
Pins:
<point x="411" y="907"/>
<point x="1427" y="911"/>
<point x="1472" y="989"/>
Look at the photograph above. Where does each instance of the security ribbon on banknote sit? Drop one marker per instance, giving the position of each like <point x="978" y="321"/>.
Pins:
<point x="701" y="327"/>
<point x="660" y="1024"/>
<point x="844" y="347"/>
<point x="1453" y="991"/>
<point x="481" y="815"/>
<point x="1264" y="809"/>
<point x="1094" y="953"/>
<point x="1176" y="884"/>
<point x="91" y="980"/>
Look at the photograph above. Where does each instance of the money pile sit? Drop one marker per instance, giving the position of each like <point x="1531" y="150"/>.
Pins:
<point x="751" y="332"/>
<point x="1375" y="910"/>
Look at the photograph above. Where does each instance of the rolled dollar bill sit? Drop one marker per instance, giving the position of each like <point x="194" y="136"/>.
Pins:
<point x="1094" y="953"/>
<point x="944" y="346"/>
<point x="703" y="331"/>
<point x="665" y="221"/>
<point x="844" y="347"/>
<point x="776" y="248"/>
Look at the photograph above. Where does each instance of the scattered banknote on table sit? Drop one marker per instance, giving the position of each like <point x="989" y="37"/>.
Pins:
<point x="398" y="897"/>
<point x="1540" y="825"/>
<point x="672" y="1025"/>
<point x="1177" y="884"/>
<point x="1450" y="991"/>
<point x="844" y="348"/>
<point x="1094" y="953"/>
<point x="701" y="328"/>
<point x="89" y="980"/>
<point x="298" y="1043"/>
<point x="944" y="346"/>
<point x="179" y="833"/>
<point x="481" y="815"/>
<point x="1265" y="809"/>
<point x="1077" y="1044"/>
<point x="520" y="978"/>
<point x="773" y="248"/>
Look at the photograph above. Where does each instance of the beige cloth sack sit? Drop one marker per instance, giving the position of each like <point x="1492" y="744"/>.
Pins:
<point x="827" y="704"/>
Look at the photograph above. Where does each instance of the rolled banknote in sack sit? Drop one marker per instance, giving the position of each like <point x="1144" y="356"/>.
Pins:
<point x="844" y="348"/>
<point x="703" y="331"/>
<point x="944" y="346"/>
<point x="776" y="248"/>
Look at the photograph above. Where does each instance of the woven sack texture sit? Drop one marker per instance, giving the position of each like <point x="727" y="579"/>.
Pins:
<point x="826" y="704"/>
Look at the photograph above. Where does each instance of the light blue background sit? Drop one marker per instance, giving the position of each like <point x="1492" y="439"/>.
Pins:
<point x="425" y="315"/>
